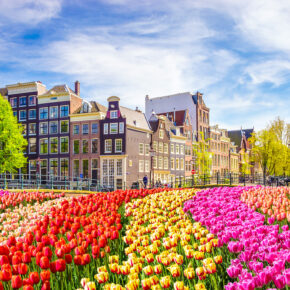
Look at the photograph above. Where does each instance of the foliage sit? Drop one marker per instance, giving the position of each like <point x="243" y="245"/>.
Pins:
<point x="245" y="162"/>
<point x="12" y="143"/>
<point x="203" y="159"/>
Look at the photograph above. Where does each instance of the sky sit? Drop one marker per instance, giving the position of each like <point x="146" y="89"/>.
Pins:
<point x="236" y="52"/>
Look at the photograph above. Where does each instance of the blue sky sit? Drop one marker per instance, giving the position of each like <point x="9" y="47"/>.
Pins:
<point x="236" y="52"/>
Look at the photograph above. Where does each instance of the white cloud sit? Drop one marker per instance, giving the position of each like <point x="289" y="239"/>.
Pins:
<point x="29" y="12"/>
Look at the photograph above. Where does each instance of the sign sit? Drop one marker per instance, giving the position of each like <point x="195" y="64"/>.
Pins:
<point x="81" y="176"/>
<point x="192" y="171"/>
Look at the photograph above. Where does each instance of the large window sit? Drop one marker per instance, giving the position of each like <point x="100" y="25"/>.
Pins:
<point x="172" y="148"/>
<point x="76" y="129"/>
<point x="141" y="149"/>
<point x="160" y="162"/>
<point x="54" y="167"/>
<point x="32" y="145"/>
<point x="64" y="167"/>
<point x="85" y="146"/>
<point x="64" y="145"/>
<point x="160" y="147"/>
<point x="94" y="145"/>
<point x="85" y="129"/>
<point x="172" y="163"/>
<point x="155" y="144"/>
<point x="24" y="129"/>
<point x="114" y="128"/>
<point x="13" y="102"/>
<point x="181" y="149"/>
<point x="76" y="148"/>
<point x="147" y="149"/>
<point x="165" y="148"/>
<point x="53" y="114"/>
<point x="32" y="129"/>
<point x="95" y="128"/>
<point x="63" y="111"/>
<point x="141" y="165"/>
<point x="161" y="134"/>
<point x="22" y="115"/>
<point x="177" y="163"/>
<point x="43" y="113"/>
<point x="154" y="162"/>
<point x="15" y="114"/>
<point x="53" y="127"/>
<point x="147" y="169"/>
<point x="43" y="146"/>
<point x="181" y="164"/>
<point x="43" y="128"/>
<point x="121" y="127"/>
<point x="108" y="146"/>
<point x="113" y="114"/>
<point x="64" y="126"/>
<point x="32" y="100"/>
<point x="177" y="149"/>
<point x="53" y="145"/>
<point x="106" y="128"/>
<point x="118" y="145"/>
<point x="32" y="114"/>
<point x="76" y="168"/>
<point x="165" y="163"/>
<point x="22" y="101"/>
<point x="86" y="168"/>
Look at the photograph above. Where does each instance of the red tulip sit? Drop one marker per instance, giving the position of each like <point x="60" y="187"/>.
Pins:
<point x="60" y="265"/>
<point x="45" y="285"/>
<point x="16" y="260"/>
<point x="4" y="260"/>
<point x="87" y="259"/>
<point x="45" y="275"/>
<point x="4" y="250"/>
<point x="78" y="259"/>
<point x="11" y="241"/>
<point x="26" y="281"/>
<point x="22" y="269"/>
<point x="59" y="252"/>
<point x="1" y="286"/>
<point x="16" y="282"/>
<point x="44" y="262"/>
<point x="5" y="274"/>
<point x="26" y="258"/>
<point x="47" y="252"/>
<point x="68" y="259"/>
<point x="28" y="287"/>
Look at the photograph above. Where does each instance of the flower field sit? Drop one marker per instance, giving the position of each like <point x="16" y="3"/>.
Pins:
<point x="218" y="238"/>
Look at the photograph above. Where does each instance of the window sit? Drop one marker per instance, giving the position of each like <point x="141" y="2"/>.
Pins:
<point x="181" y="164"/>
<point x="13" y="102"/>
<point x="130" y="163"/>
<point x="106" y="128"/>
<point x="155" y="144"/>
<point x="64" y="145"/>
<point x="155" y="162"/>
<point x="172" y="148"/>
<point x="53" y="112"/>
<point x="85" y="129"/>
<point x="53" y="145"/>
<point x="113" y="114"/>
<point x="63" y="167"/>
<point x="32" y="129"/>
<point x="43" y="128"/>
<point x="85" y="168"/>
<point x="121" y="127"/>
<point x="177" y="149"/>
<point x="160" y="147"/>
<point x="172" y="163"/>
<point x="53" y="127"/>
<point x="43" y="146"/>
<point x="76" y="148"/>
<point x="108" y="146"/>
<point x="54" y="166"/>
<point x="22" y="101"/>
<point x="32" y="145"/>
<point x="94" y="163"/>
<point x="22" y="115"/>
<point x="85" y="146"/>
<point x="24" y="129"/>
<point x="165" y="148"/>
<point x="63" y="126"/>
<point x="119" y="167"/>
<point x="95" y="128"/>
<point x="181" y="149"/>
<point x="147" y="149"/>
<point x="43" y="113"/>
<point x="177" y="163"/>
<point x="160" y="162"/>
<point x="165" y="163"/>
<point x="76" y="129"/>
<point x="118" y="145"/>
<point x="76" y="168"/>
<point x="147" y="169"/>
<point x="32" y="114"/>
<point x="63" y="111"/>
<point x="141" y="149"/>
<point x="114" y="128"/>
<point x="94" y="145"/>
<point x="15" y="114"/>
<point x="32" y="100"/>
<point x="141" y="165"/>
<point x="161" y="134"/>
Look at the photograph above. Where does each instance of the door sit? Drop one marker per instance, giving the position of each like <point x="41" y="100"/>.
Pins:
<point x="43" y="171"/>
<point x="119" y="183"/>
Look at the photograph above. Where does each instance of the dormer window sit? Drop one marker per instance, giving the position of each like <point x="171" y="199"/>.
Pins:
<point x="113" y="114"/>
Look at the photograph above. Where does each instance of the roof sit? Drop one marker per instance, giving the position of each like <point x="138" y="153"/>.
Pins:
<point x="236" y="135"/>
<point x="179" y="116"/>
<point x="135" y="118"/>
<point x="3" y="91"/>
<point x="95" y="107"/>
<point x="60" y="89"/>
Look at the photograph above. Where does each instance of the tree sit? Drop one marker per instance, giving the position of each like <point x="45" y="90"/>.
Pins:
<point x="245" y="162"/>
<point x="12" y="143"/>
<point x="203" y="159"/>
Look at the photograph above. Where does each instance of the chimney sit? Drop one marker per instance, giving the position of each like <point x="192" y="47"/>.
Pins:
<point x="77" y="87"/>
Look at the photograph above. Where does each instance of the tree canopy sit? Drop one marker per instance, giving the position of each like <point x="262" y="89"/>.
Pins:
<point x="12" y="143"/>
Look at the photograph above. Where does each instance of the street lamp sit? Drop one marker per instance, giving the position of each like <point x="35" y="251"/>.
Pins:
<point x="152" y="154"/>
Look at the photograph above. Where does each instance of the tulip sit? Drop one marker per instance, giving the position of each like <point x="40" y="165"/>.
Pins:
<point x="157" y="269"/>
<point x="218" y="259"/>
<point x="102" y="277"/>
<point x="165" y="282"/>
<point x="199" y="286"/>
<point x="16" y="282"/>
<point x="146" y="284"/>
<point x="34" y="278"/>
<point x="45" y="275"/>
<point x="44" y="262"/>
<point x="189" y="273"/>
<point x="148" y="270"/>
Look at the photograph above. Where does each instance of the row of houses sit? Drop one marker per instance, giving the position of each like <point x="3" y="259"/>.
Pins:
<point x="69" y="137"/>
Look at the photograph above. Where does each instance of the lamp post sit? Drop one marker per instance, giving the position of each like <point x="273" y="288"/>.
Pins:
<point x="152" y="154"/>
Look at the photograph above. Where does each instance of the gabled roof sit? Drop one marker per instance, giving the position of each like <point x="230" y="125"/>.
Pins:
<point x="60" y="89"/>
<point x="135" y="118"/>
<point x="95" y="107"/>
<point x="237" y="135"/>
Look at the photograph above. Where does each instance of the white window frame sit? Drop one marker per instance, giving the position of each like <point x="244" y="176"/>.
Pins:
<point x="141" y="165"/>
<point x="60" y="130"/>
<point x="92" y="146"/>
<point x="155" y="162"/>
<point x="160" y="147"/>
<point x="20" y="119"/>
<point x="29" y="129"/>
<point x="141" y="148"/>
<point x="181" y="149"/>
<point x="181" y="164"/>
<point x="20" y="106"/>
<point x="176" y="163"/>
<point x="161" y="134"/>
<point x="29" y="114"/>
<point x="106" y="145"/>
<point x="97" y="128"/>
<point x="116" y="127"/>
<point x="147" y="149"/>
<point x="60" y="111"/>
<point x="50" y="145"/>
<point x="160" y="162"/>
<point x="12" y="101"/>
<point x="40" y="133"/>
<point x="121" y="127"/>
<point x="117" y="140"/>
<point x="35" y="146"/>
<point x="46" y="139"/>
<point x="147" y="166"/>
<point x="165" y="160"/>
<point x="177" y="149"/>
<point x="165" y="149"/>
<point x="50" y="108"/>
<point x="112" y="114"/>
<point x="83" y="129"/>
<point x="106" y="128"/>
<point x="43" y="108"/>
<point x="74" y="129"/>
<point x="67" y="144"/>
<point x="74" y="146"/>
<point x="56" y="127"/>
<point x="172" y="151"/>
<point x="119" y="167"/>
<point x="30" y="105"/>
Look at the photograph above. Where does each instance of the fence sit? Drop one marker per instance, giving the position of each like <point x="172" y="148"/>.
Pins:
<point x="23" y="181"/>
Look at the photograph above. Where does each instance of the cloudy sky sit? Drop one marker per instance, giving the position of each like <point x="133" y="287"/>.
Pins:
<point x="236" y="52"/>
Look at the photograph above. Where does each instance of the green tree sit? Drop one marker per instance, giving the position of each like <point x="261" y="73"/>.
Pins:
<point x="12" y="143"/>
<point x="203" y="156"/>
<point x="245" y="162"/>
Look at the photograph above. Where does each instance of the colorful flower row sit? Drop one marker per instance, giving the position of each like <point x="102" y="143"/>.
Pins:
<point x="259" y="253"/>
<point x="272" y="201"/>
<point x="165" y="249"/>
